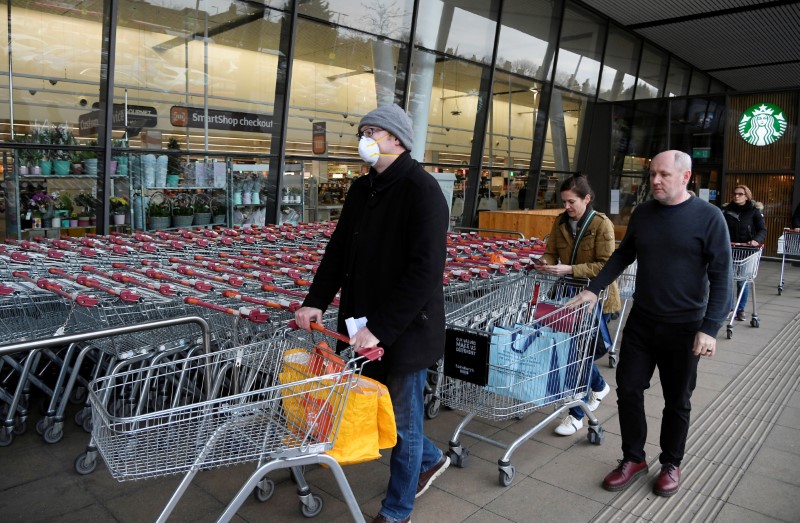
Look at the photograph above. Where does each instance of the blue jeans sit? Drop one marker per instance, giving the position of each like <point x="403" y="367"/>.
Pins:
<point x="596" y="383"/>
<point x="414" y="453"/>
<point x="745" y="294"/>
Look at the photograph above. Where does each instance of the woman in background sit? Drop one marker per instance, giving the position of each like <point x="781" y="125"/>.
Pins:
<point x="745" y="225"/>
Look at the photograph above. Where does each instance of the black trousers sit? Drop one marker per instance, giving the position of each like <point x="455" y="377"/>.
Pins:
<point x="647" y="344"/>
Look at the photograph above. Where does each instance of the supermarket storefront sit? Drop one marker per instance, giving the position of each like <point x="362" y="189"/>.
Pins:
<point x="506" y="95"/>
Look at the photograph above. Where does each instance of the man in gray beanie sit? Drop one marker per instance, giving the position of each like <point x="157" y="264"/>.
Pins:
<point x="387" y="256"/>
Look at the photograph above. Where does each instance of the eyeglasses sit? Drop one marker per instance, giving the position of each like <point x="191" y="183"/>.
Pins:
<point x="738" y="194"/>
<point x="368" y="132"/>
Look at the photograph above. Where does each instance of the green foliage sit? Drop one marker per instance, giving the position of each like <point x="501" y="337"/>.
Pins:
<point x="160" y="210"/>
<point x="174" y="164"/>
<point x="64" y="202"/>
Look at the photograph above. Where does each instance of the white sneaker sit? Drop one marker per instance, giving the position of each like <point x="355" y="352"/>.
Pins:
<point x="596" y="397"/>
<point x="569" y="426"/>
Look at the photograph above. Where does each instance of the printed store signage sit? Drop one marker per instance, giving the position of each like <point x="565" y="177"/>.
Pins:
<point x="194" y="117"/>
<point x="466" y="356"/>
<point x="762" y="124"/>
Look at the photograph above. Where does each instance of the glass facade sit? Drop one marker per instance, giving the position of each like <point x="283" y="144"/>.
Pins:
<point x="268" y="96"/>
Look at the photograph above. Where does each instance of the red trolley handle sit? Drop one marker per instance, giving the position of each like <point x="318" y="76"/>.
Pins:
<point x="371" y="353"/>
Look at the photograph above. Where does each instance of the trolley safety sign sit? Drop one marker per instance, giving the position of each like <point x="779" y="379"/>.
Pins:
<point x="466" y="356"/>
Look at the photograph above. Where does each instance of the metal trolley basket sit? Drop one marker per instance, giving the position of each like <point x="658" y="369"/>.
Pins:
<point x="539" y="355"/>
<point x="745" y="259"/>
<point x="257" y="402"/>
<point x="788" y="244"/>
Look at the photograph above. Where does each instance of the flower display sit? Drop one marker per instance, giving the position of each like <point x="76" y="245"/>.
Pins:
<point x="40" y="201"/>
<point x="118" y="205"/>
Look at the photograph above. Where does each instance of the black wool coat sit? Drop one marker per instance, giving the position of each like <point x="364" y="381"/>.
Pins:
<point x="387" y="255"/>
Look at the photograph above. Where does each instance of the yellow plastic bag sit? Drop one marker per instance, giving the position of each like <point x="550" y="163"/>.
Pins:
<point x="367" y="424"/>
<point x="308" y="405"/>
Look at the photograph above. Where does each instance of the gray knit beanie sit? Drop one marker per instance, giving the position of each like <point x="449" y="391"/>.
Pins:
<point x="392" y="118"/>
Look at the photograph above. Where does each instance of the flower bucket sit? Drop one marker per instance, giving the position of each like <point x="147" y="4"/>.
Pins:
<point x="73" y="223"/>
<point x="202" y="218"/>
<point x="119" y="219"/>
<point x="61" y="167"/>
<point x="182" y="221"/>
<point x="47" y="167"/>
<point x="159" y="222"/>
<point x="83" y="221"/>
<point x="90" y="166"/>
<point x="66" y="222"/>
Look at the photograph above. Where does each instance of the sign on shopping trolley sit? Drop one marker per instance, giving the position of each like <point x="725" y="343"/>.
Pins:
<point x="466" y="356"/>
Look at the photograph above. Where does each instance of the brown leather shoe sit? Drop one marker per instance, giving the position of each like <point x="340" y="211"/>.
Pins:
<point x="427" y="477"/>
<point x="668" y="481"/>
<point x="622" y="476"/>
<point x="380" y="518"/>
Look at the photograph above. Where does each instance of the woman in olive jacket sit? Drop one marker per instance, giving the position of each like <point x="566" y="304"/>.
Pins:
<point x="746" y="225"/>
<point x="595" y="234"/>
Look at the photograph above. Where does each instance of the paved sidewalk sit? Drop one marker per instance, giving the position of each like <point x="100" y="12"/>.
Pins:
<point x="741" y="462"/>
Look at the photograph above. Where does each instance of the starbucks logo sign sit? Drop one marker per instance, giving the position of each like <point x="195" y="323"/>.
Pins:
<point x="762" y="124"/>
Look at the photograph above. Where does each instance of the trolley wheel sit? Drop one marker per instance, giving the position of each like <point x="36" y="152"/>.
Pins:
<point x="458" y="458"/>
<point x="729" y="332"/>
<point x="20" y="426"/>
<point x="41" y="425"/>
<point x="507" y="475"/>
<point x="53" y="434"/>
<point x="432" y="408"/>
<point x="82" y="467"/>
<point x="264" y="490"/>
<point x="6" y="437"/>
<point x="79" y="416"/>
<point x="596" y="435"/>
<point x="612" y="361"/>
<point x="87" y="424"/>
<point x="312" y="507"/>
<point x="755" y="323"/>
<point x="780" y="290"/>
<point x="78" y="396"/>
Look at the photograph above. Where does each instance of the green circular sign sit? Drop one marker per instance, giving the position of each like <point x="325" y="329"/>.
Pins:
<point x="762" y="124"/>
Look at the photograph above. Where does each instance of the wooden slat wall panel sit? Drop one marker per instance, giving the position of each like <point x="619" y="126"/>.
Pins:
<point x="775" y="192"/>
<point x="774" y="157"/>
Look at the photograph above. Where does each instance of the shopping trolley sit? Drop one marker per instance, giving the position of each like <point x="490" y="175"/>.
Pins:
<point x="627" y="285"/>
<point x="517" y="350"/>
<point x="260" y="402"/>
<point x="788" y="243"/>
<point x="745" y="268"/>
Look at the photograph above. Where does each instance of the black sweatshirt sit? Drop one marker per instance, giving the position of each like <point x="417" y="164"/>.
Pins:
<point x="684" y="263"/>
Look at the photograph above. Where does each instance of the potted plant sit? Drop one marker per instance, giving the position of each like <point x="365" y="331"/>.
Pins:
<point x="219" y="212"/>
<point x="40" y="206"/>
<point x="159" y="214"/>
<point x="89" y="206"/>
<point x="90" y="160"/>
<point x="64" y="206"/>
<point x="202" y="210"/>
<point x="73" y="219"/>
<point x="182" y="211"/>
<point x="43" y="134"/>
<point x="62" y="135"/>
<point x="118" y="208"/>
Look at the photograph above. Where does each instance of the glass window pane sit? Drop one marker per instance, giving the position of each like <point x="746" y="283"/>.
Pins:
<point x="344" y="76"/>
<point x="567" y="111"/>
<point x="678" y="78"/>
<point x="619" y="66"/>
<point x="462" y="28"/>
<point x="580" y="49"/>
<point x="509" y="136"/>
<point x="390" y="19"/>
<point x="652" y="72"/>
<point x="699" y="83"/>
<point x="716" y="87"/>
<point x="525" y="46"/>
<point x="165" y="61"/>
<point x="444" y="99"/>
<point x="56" y="64"/>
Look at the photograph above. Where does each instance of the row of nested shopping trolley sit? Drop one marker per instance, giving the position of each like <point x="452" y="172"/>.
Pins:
<point x="176" y="345"/>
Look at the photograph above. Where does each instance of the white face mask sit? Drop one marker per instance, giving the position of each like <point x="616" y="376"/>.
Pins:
<point x="368" y="150"/>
